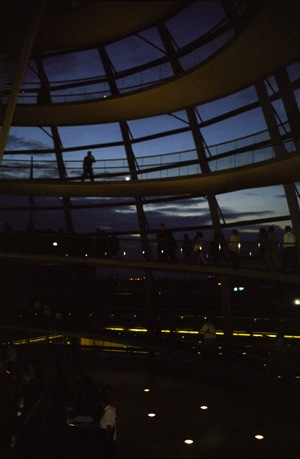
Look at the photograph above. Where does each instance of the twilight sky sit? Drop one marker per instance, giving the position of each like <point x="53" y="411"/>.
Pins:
<point x="126" y="53"/>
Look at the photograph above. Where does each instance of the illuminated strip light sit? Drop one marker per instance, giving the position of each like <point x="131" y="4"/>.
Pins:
<point x="219" y="333"/>
<point x="241" y="333"/>
<point x="44" y="338"/>
<point x="137" y="330"/>
<point x="126" y="350"/>
<point x="20" y="341"/>
<point x="194" y="332"/>
<point x="38" y="340"/>
<point x="190" y="332"/>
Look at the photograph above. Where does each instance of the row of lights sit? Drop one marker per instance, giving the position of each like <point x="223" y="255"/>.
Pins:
<point x="55" y="244"/>
<point x="189" y="441"/>
<point x="195" y="332"/>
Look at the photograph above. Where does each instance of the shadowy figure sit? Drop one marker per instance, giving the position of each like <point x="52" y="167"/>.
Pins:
<point x="88" y="167"/>
<point x="162" y="240"/>
<point x="107" y="427"/>
<point x="113" y="246"/>
<point x="234" y="245"/>
<point x="273" y="259"/>
<point x="209" y="336"/>
<point x="86" y="397"/>
<point x="171" y="248"/>
<point x="263" y="247"/>
<point x="289" y="251"/>
<point x="7" y="408"/>
<point x="216" y="249"/>
<point x="101" y="244"/>
<point x="187" y="249"/>
<point x="199" y="249"/>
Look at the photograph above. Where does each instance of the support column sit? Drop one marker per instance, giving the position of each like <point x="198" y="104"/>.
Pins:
<point x="46" y="98"/>
<point x="290" y="104"/>
<point x="191" y="114"/>
<point x="150" y="314"/>
<point x="226" y="303"/>
<point x="289" y="188"/>
<point x="33" y="17"/>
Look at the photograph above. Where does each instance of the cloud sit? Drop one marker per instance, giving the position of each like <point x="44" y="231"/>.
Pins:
<point x="15" y="142"/>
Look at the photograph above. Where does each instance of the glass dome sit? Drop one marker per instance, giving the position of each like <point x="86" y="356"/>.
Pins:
<point x="182" y="90"/>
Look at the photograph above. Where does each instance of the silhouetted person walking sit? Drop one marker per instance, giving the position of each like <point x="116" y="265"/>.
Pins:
<point x="88" y="167"/>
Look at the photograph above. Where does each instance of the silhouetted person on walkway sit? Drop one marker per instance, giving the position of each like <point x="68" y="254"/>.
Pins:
<point x="273" y="260"/>
<point x="187" y="249"/>
<point x="199" y="249"/>
<point x="88" y="162"/>
<point x="263" y="247"/>
<point x="216" y="249"/>
<point x="162" y="239"/>
<point x="234" y="246"/>
<point x="289" y="251"/>
<point x="171" y="248"/>
<point x="113" y="246"/>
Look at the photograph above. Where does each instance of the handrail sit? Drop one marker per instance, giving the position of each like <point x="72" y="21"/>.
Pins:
<point x="211" y="38"/>
<point x="102" y="244"/>
<point x="247" y="147"/>
<point x="180" y="163"/>
<point x="32" y="412"/>
<point x="191" y="55"/>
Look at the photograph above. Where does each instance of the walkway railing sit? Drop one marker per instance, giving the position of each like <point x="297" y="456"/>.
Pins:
<point x="190" y="55"/>
<point x="104" y="245"/>
<point x="131" y="80"/>
<point x="227" y="155"/>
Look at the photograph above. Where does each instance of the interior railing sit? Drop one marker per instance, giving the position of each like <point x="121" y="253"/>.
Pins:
<point x="157" y="71"/>
<point x="102" y="244"/>
<point x="227" y="155"/>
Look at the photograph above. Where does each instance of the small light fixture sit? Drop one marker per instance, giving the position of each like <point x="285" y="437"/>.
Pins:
<point x="259" y="437"/>
<point x="188" y="441"/>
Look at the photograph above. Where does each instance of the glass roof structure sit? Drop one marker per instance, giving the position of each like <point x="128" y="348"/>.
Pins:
<point x="191" y="110"/>
<point x="158" y="91"/>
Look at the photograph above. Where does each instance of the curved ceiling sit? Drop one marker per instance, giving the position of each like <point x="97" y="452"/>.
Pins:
<point x="102" y="22"/>
<point x="99" y="22"/>
<point x="267" y="173"/>
<point x="270" y="41"/>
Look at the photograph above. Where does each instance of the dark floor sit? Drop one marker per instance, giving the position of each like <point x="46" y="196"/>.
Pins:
<point x="244" y="398"/>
